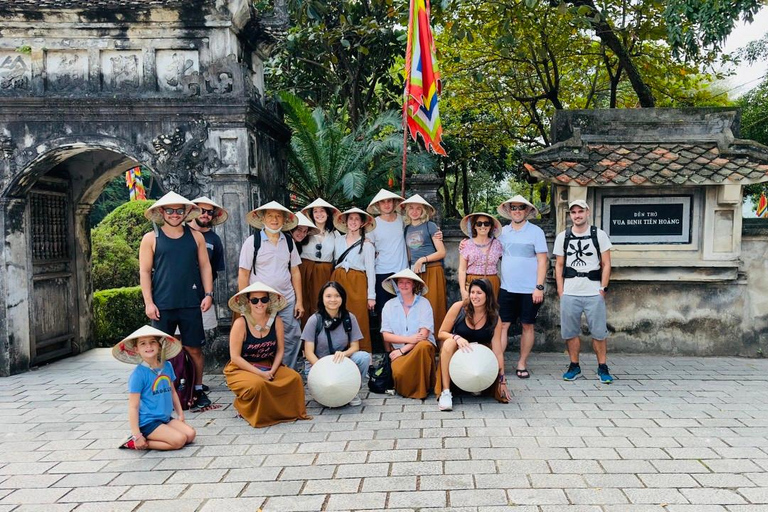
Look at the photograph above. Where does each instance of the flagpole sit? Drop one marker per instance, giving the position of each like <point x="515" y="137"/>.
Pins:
<point x="405" y="95"/>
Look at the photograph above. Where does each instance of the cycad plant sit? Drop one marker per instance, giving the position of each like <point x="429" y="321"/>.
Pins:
<point x="326" y="159"/>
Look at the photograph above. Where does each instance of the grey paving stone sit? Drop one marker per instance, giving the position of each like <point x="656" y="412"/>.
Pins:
<point x="362" y="470"/>
<point x="34" y="496"/>
<point x="108" y="506"/>
<point x="712" y="496"/>
<point x="332" y="486"/>
<point x="359" y="501"/>
<point x="394" y="483"/>
<point x="154" y="492"/>
<point x="446" y="482"/>
<point x="556" y="481"/>
<point x="419" y="468"/>
<point x="655" y="496"/>
<point x="417" y="499"/>
<point x="536" y="497"/>
<point x="307" y="472"/>
<point x="676" y="480"/>
<point x="179" y="505"/>
<point x="596" y="496"/>
<point x="475" y="498"/>
<point x="233" y="504"/>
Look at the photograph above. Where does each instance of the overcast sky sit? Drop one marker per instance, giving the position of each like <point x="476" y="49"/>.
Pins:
<point x="747" y="76"/>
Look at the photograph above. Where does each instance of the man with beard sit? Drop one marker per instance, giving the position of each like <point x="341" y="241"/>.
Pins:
<point x="176" y="278"/>
<point x="211" y="214"/>
<point x="523" y="272"/>
<point x="582" y="272"/>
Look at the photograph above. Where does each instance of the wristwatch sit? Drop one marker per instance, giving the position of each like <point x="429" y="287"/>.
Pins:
<point x="540" y="287"/>
<point x="209" y="294"/>
<point x="603" y="289"/>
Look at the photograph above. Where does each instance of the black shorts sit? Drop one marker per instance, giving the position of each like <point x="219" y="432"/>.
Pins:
<point x="188" y="320"/>
<point x="517" y="305"/>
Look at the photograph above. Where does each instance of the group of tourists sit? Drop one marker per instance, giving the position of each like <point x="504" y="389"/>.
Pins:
<point x="309" y="281"/>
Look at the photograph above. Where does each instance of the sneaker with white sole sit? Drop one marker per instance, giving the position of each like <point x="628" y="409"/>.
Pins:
<point x="445" y="402"/>
<point x="355" y="401"/>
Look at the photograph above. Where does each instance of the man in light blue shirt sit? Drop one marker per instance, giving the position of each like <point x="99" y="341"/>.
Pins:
<point x="523" y="271"/>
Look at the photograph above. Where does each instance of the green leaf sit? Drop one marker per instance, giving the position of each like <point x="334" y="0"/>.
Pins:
<point x="345" y="43"/>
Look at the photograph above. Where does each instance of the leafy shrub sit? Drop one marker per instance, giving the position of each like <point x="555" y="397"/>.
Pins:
<point x="117" y="313"/>
<point x="115" y="246"/>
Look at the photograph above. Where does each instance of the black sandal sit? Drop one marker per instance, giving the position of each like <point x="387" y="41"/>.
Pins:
<point x="522" y="373"/>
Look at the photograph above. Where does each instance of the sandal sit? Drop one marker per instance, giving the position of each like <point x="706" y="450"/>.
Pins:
<point x="522" y="373"/>
<point x="128" y="445"/>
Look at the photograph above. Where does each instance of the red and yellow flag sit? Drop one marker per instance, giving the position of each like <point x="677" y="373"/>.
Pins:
<point x="134" y="184"/>
<point x="422" y="81"/>
<point x="762" y="206"/>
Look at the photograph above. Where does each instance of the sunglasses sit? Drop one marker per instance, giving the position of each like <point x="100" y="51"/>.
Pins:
<point x="177" y="211"/>
<point x="483" y="224"/>
<point x="210" y="212"/>
<point x="514" y="208"/>
<point x="256" y="300"/>
<point x="317" y="250"/>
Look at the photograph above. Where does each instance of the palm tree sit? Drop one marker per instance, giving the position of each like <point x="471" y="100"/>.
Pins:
<point x="340" y="165"/>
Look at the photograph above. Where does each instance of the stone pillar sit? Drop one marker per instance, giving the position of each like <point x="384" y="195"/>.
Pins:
<point x="428" y="187"/>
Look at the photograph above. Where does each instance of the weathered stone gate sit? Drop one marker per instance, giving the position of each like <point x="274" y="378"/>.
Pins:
<point x="89" y="89"/>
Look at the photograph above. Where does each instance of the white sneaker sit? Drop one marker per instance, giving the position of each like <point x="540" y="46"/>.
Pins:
<point x="445" y="403"/>
<point x="355" y="401"/>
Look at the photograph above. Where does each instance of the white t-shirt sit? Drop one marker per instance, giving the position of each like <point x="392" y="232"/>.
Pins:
<point x="583" y="257"/>
<point x="389" y="240"/>
<point x="272" y="264"/>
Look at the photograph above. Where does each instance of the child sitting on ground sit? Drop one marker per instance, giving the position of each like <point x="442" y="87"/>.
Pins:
<point x="152" y="397"/>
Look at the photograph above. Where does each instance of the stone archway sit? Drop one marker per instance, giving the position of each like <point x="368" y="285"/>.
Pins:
<point x="50" y="200"/>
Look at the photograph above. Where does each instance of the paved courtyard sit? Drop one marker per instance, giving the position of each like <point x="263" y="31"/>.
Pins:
<point x="671" y="434"/>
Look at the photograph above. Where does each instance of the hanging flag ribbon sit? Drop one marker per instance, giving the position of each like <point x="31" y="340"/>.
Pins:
<point x="422" y="80"/>
<point x="134" y="184"/>
<point x="762" y="206"/>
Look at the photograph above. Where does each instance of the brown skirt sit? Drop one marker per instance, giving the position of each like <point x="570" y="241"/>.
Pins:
<point x="262" y="402"/>
<point x="494" y="279"/>
<point x="314" y="275"/>
<point x="356" y="286"/>
<point x="493" y="390"/>
<point x="434" y="278"/>
<point x="414" y="373"/>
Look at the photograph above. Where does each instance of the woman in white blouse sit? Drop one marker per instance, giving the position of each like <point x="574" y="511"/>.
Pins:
<point x="355" y="267"/>
<point x="317" y="253"/>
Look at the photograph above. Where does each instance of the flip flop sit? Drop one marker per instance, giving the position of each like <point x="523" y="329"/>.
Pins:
<point x="522" y="373"/>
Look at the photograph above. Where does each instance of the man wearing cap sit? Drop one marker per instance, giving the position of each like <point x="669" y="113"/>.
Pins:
<point x="276" y="266"/>
<point x="176" y="278"/>
<point x="211" y="214"/>
<point x="582" y="272"/>
<point x="523" y="272"/>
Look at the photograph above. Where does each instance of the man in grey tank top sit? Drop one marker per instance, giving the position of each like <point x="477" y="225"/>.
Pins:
<point x="176" y="278"/>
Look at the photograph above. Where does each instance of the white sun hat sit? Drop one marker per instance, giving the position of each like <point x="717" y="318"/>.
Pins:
<point x="239" y="302"/>
<point x="221" y="214"/>
<point x="503" y="208"/>
<point x="125" y="351"/>
<point x="340" y="220"/>
<point x="255" y="218"/>
<point x="155" y="214"/>
<point x="333" y="384"/>
<point x="390" y="283"/>
<point x="304" y="221"/>
<point x="373" y="206"/>
<point x="417" y="199"/>
<point x="319" y="203"/>
<point x="468" y="222"/>
<point x="474" y="371"/>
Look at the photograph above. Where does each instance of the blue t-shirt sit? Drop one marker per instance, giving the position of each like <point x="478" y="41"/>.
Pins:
<point x="519" y="264"/>
<point x="156" y="401"/>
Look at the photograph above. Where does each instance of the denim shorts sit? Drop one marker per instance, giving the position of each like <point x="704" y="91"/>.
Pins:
<point x="150" y="427"/>
<point x="571" y="309"/>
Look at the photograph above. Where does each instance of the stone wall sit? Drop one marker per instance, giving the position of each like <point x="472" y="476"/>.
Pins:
<point x="676" y="318"/>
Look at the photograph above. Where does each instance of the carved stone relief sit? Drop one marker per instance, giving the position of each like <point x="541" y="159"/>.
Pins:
<point x="178" y="71"/>
<point x="121" y="70"/>
<point x="223" y="76"/>
<point x="15" y="71"/>
<point x="182" y="161"/>
<point x="66" y="71"/>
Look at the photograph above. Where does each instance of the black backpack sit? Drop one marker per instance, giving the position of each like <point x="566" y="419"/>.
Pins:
<point x="381" y="380"/>
<point x="257" y="246"/>
<point x="346" y="321"/>
<point x="185" y="371"/>
<point x="569" y="272"/>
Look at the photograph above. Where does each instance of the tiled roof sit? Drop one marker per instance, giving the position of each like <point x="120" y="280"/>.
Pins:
<point x="594" y="163"/>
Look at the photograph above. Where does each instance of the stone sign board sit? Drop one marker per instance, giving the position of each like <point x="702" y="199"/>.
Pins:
<point x="648" y="219"/>
<point x="66" y="71"/>
<point x="15" y="71"/>
<point x="121" y="70"/>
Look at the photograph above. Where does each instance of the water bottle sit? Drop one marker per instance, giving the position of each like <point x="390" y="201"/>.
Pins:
<point x="182" y="384"/>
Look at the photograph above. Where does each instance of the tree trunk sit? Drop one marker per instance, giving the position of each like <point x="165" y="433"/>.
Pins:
<point x="605" y="32"/>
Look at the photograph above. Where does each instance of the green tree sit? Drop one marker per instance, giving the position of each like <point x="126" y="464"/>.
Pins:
<point x="754" y="125"/>
<point x="329" y="160"/>
<point x="342" y="52"/>
<point x="115" y="246"/>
